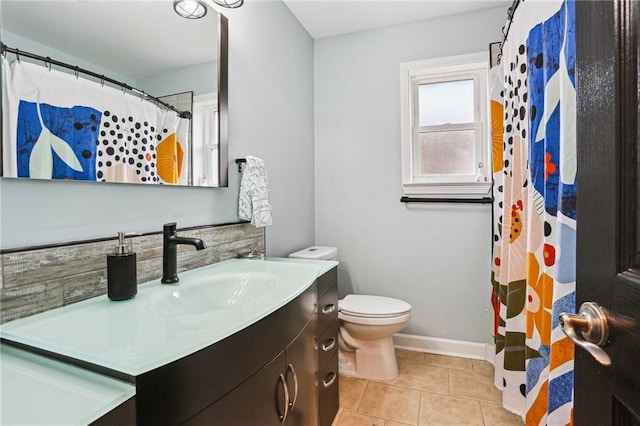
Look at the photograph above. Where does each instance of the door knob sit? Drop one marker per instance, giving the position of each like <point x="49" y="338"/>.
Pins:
<point x="588" y="329"/>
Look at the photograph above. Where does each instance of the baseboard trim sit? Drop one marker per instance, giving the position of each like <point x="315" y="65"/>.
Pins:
<point x="436" y="345"/>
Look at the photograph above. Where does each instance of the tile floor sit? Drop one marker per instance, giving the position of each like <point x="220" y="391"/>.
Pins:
<point x="430" y="390"/>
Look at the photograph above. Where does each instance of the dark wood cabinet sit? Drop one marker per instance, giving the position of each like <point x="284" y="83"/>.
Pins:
<point x="281" y="370"/>
<point x="300" y="375"/>
<point x="328" y="377"/>
<point x="260" y="400"/>
<point x="300" y="386"/>
<point x="175" y="392"/>
<point x="283" y="392"/>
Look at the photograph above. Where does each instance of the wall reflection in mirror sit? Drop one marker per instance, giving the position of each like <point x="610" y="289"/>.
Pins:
<point x="113" y="91"/>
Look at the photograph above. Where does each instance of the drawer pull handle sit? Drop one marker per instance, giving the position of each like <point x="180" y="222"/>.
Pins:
<point x="329" y="344"/>
<point x="328" y="309"/>
<point x="295" y="385"/>
<point x="285" y="412"/>
<point x="331" y="378"/>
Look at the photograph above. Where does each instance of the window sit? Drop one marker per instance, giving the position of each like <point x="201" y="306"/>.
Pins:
<point x="205" y="139"/>
<point x="445" y="130"/>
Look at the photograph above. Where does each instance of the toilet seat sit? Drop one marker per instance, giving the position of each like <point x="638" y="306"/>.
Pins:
<point x="355" y="319"/>
<point x="366" y="306"/>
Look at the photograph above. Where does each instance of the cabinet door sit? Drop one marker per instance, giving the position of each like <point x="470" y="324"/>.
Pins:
<point x="260" y="401"/>
<point x="301" y="372"/>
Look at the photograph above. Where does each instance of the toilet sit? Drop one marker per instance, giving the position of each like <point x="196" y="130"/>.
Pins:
<point x="367" y="324"/>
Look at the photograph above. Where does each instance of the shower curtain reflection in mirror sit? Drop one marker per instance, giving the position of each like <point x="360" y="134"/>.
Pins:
<point x="62" y="126"/>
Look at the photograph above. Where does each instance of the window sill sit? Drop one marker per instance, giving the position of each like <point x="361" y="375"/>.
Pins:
<point x="466" y="191"/>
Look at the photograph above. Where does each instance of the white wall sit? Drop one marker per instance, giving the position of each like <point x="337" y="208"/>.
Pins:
<point x="271" y="115"/>
<point x="435" y="256"/>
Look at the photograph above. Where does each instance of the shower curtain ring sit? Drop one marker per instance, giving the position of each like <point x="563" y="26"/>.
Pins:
<point x="77" y="71"/>
<point x="18" y="55"/>
<point x="47" y="62"/>
<point x="102" y="80"/>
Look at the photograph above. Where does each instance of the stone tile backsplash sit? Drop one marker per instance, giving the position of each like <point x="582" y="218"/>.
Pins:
<point x="35" y="280"/>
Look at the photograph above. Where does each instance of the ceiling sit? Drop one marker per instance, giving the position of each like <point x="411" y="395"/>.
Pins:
<point x="135" y="38"/>
<point x="328" y="18"/>
<point x="81" y="27"/>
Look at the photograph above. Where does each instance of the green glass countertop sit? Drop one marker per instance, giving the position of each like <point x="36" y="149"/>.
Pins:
<point x="36" y="390"/>
<point x="148" y="331"/>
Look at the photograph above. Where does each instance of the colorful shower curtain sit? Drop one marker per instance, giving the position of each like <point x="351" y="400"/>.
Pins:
<point x="534" y="164"/>
<point x="61" y="126"/>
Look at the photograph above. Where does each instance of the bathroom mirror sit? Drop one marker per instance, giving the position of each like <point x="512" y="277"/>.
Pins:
<point x="143" y="44"/>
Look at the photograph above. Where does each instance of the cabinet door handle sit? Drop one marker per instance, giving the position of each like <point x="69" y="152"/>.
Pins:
<point x="331" y="377"/>
<point x="328" y="309"/>
<point x="329" y="344"/>
<point x="285" y="388"/>
<point x="295" y="385"/>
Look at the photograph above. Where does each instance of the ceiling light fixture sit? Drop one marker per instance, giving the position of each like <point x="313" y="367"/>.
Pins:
<point x="190" y="9"/>
<point x="230" y="4"/>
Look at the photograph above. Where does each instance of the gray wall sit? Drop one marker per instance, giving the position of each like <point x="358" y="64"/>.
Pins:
<point x="271" y="116"/>
<point x="183" y="80"/>
<point x="435" y="256"/>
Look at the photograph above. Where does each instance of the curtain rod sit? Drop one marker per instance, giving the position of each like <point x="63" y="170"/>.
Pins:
<point x="510" y="12"/>
<point x="76" y="69"/>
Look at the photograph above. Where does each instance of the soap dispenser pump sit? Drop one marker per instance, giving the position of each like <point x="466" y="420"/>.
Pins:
<point x="122" y="277"/>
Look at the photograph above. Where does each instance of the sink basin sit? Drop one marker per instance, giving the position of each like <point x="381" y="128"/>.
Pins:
<point x="211" y="293"/>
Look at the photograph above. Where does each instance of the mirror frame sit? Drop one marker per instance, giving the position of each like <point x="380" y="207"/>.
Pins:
<point x="223" y="106"/>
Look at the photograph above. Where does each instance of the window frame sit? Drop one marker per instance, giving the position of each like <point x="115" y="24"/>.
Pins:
<point x="205" y="141"/>
<point x="475" y="67"/>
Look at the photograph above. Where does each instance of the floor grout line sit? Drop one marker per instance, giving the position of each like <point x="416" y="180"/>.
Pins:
<point x="362" y="396"/>
<point x="484" y="404"/>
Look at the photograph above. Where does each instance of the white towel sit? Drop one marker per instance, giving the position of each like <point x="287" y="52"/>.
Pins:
<point x="253" y="201"/>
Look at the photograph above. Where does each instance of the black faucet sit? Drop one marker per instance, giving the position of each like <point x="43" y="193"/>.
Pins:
<point x="169" y="252"/>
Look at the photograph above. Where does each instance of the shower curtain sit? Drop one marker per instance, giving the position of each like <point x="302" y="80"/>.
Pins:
<point x="534" y="164"/>
<point x="61" y="126"/>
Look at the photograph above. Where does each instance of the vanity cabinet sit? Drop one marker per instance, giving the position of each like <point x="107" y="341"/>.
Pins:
<point x="186" y="389"/>
<point x="282" y="369"/>
<point x="283" y="392"/>
<point x="307" y="369"/>
<point x="328" y="378"/>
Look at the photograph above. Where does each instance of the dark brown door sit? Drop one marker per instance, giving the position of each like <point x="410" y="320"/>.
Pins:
<point x="608" y="242"/>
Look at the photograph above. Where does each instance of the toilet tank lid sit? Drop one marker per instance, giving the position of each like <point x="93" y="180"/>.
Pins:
<point x="360" y="304"/>
<point x="317" y="253"/>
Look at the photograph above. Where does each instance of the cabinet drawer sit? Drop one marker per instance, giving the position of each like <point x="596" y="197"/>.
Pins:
<point x="327" y="345"/>
<point x="327" y="280"/>
<point x="328" y="386"/>
<point x="328" y="309"/>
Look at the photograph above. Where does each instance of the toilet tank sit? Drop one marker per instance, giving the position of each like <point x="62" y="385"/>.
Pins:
<point x="316" y="253"/>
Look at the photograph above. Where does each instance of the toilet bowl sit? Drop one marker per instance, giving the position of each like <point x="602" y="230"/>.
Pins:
<point x="367" y="324"/>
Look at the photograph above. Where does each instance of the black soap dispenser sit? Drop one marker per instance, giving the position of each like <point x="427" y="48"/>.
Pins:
<point x="122" y="276"/>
